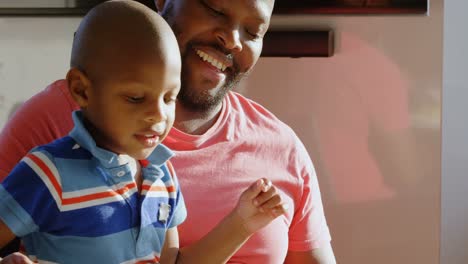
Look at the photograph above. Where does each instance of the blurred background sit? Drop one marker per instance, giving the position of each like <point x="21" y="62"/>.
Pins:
<point x="391" y="164"/>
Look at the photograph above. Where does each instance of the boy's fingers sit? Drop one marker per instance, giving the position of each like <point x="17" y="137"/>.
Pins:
<point x="266" y="185"/>
<point x="277" y="210"/>
<point x="265" y="196"/>
<point x="270" y="203"/>
<point x="254" y="189"/>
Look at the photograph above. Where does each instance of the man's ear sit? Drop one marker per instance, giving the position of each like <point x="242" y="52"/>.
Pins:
<point x="79" y="86"/>
<point x="159" y="5"/>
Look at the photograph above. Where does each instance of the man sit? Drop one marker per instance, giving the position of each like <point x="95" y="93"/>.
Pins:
<point x="230" y="138"/>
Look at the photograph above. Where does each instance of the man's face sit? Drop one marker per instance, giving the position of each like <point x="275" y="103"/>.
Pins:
<point x="220" y="42"/>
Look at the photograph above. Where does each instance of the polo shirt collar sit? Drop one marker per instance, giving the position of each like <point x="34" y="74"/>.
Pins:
<point x="107" y="158"/>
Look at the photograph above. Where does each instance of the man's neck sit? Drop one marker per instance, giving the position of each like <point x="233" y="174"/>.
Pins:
<point x="195" y="123"/>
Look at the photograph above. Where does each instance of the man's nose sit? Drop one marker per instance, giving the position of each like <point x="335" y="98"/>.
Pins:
<point x="230" y="38"/>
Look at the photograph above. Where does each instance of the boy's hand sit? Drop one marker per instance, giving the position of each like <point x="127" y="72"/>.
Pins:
<point x="259" y="205"/>
<point x="15" y="258"/>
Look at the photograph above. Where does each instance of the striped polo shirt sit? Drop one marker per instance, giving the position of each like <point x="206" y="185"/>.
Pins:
<point x="73" y="202"/>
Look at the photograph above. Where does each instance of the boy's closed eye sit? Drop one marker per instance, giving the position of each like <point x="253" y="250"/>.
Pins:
<point x="134" y="99"/>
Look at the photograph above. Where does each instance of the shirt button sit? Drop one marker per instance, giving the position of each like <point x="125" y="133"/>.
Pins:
<point x="120" y="173"/>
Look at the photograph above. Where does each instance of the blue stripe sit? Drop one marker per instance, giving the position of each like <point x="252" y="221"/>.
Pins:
<point x="114" y="248"/>
<point x="33" y="196"/>
<point x="83" y="174"/>
<point x="14" y="216"/>
<point x="63" y="148"/>
<point x="92" y="221"/>
<point x="25" y="186"/>
<point x="30" y="193"/>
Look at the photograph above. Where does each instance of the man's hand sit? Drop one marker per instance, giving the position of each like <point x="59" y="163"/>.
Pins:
<point x="260" y="204"/>
<point x="16" y="258"/>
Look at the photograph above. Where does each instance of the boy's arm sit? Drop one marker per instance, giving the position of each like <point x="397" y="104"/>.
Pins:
<point x="257" y="207"/>
<point x="6" y="234"/>
<point x="171" y="246"/>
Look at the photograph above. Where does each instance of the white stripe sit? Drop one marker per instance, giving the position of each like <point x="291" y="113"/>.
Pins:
<point x="91" y="203"/>
<point x="147" y="182"/>
<point x="74" y="194"/>
<point x="49" y="164"/>
<point x="159" y="183"/>
<point x="44" y="178"/>
<point x="160" y="194"/>
<point x="100" y="201"/>
<point x="83" y="192"/>
<point x="170" y="182"/>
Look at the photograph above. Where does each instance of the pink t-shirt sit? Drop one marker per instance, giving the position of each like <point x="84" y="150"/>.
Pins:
<point x="246" y="143"/>
<point x="40" y="120"/>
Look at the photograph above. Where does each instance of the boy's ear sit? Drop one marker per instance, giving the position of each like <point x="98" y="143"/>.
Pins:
<point x="159" y="5"/>
<point x="79" y="86"/>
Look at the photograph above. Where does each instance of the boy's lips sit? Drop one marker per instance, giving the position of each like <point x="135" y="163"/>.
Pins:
<point x="148" y="140"/>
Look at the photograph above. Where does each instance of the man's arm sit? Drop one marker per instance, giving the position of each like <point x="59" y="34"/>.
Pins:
<point x="309" y="236"/>
<point x="6" y="235"/>
<point x="322" y="255"/>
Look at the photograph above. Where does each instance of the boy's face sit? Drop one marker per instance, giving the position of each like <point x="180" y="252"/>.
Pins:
<point x="220" y="41"/>
<point x="131" y="109"/>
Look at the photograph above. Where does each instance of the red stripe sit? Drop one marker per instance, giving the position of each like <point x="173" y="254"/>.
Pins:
<point x="47" y="172"/>
<point x="144" y="163"/>
<point x="96" y="196"/>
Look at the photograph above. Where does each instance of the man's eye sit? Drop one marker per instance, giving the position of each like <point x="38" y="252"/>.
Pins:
<point x="252" y="35"/>
<point x="212" y="10"/>
<point x="134" y="99"/>
<point x="219" y="13"/>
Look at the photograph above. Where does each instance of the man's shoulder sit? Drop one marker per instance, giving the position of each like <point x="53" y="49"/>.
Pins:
<point x="256" y="114"/>
<point x="56" y="93"/>
<point x="54" y="102"/>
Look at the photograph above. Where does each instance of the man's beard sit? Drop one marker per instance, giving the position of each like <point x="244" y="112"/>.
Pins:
<point x="206" y="100"/>
<point x="189" y="98"/>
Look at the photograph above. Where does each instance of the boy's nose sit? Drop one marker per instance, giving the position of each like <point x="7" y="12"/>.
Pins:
<point x="156" y="115"/>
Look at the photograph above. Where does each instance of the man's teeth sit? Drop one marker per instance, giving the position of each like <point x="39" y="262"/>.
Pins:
<point x="211" y="60"/>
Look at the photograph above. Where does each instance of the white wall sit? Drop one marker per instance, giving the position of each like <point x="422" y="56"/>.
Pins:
<point x="454" y="239"/>
<point x="370" y="118"/>
<point x="377" y="99"/>
<point x="33" y="53"/>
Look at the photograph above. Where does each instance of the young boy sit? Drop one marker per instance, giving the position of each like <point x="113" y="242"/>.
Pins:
<point x="107" y="192"/>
